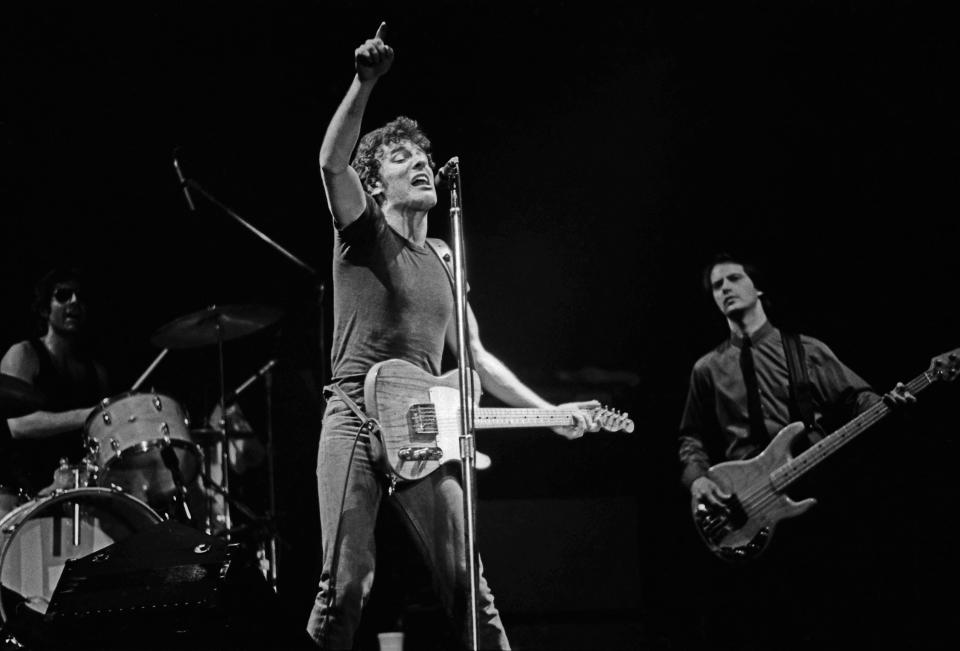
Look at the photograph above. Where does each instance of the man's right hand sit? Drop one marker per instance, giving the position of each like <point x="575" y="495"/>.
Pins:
<point x="374" y="57"/>
<point x="704" y="489"/>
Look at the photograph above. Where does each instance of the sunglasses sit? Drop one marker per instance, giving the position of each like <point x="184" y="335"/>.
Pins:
<point x="64" y="294"/>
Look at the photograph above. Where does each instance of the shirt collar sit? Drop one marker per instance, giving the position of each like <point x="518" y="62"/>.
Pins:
<point x="762" y="333"/>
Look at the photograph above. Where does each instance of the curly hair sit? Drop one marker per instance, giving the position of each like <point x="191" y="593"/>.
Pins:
<point x="366" y="161"/>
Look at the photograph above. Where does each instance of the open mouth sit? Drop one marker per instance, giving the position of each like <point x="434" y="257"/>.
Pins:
<point x="421" y="181"/>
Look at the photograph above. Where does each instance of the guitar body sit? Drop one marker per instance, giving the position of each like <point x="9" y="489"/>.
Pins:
<point x="743" y="528"/>
<point x="418" y="414"/>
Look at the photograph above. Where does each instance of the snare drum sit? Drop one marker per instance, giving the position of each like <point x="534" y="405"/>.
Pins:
<point x="38" y="538"/>
<point x="126" y="435"/>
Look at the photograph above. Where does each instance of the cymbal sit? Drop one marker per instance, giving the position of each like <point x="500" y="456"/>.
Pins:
<point x="17" y="397"/>
<point x="213" y="324"/>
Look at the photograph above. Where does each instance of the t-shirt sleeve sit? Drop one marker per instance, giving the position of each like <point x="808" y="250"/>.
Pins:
<point x="362" y="232"/>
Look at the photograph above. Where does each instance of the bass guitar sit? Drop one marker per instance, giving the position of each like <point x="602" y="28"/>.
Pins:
<point x="742" y="528"/>
<point x="419" y="416"/>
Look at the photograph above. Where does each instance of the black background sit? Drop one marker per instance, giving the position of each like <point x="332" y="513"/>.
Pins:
<point x="607" y="151"/>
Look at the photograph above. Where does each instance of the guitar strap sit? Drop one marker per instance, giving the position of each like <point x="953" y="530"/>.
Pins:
<point x="367" y="423"/>
<point x="801" y="390"/>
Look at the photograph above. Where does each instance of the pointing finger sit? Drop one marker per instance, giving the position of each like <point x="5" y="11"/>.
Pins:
<point x="382" y="31"/>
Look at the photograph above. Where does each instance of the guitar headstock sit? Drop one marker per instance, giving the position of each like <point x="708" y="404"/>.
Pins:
<point x="945" y="366"/>
<point x="612" y="420"/>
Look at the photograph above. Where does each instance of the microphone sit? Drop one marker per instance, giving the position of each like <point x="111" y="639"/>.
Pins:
<point x="250" y="380"/>
<point x="183" y="182"/>
<point x="450" y="170"/>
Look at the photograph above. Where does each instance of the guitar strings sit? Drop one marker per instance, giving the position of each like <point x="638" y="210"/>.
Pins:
<point x="559" y="419"/>
<point x="761" y="498"/>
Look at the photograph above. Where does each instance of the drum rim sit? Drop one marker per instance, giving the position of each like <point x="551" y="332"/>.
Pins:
<point x="7" y="537"/>
<point x="56" y="496"/>
<point x="110" y="400"/>
<point x="146" y="446"/>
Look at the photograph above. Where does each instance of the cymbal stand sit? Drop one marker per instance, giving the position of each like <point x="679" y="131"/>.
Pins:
<point x="272" y="503"/>
<point x="225" y="444"/>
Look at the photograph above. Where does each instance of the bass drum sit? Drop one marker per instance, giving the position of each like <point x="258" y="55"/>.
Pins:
<point x="37" y="539"/>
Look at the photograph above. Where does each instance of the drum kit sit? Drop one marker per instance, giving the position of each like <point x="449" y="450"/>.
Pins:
<point x="144" y="464"/>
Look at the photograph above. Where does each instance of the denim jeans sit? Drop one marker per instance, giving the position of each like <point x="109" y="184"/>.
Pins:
<point x="431" y="510"/>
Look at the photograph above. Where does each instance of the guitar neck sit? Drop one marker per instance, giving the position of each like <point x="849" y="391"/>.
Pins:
<point x="512" y="417"/>
<point x="812" y="456"/>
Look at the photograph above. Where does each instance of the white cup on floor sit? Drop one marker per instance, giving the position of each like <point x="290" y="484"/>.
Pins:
<point x="390" y="641"/>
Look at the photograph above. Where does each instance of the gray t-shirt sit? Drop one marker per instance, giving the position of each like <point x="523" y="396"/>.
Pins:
<point x="392" y="299"/>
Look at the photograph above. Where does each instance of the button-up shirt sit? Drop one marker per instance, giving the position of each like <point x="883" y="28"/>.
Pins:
<point x="716" y="424"/>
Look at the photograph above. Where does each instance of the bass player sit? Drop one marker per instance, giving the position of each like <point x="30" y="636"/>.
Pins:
<point x="742" y="393"/>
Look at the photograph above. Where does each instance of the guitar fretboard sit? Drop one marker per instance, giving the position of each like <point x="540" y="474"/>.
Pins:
<point x="509" y="417"/>
<point x="808" y="460"/>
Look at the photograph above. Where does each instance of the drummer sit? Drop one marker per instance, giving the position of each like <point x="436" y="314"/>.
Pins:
<point x="58" y="364"/>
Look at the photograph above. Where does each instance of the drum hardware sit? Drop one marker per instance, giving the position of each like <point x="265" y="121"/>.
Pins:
<point x="223" y="435"/>
<point x="172" y="463"/>
<point x="215" y="325"/>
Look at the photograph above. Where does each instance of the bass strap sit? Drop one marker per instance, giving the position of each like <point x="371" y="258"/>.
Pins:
<point x="801" y="390"/>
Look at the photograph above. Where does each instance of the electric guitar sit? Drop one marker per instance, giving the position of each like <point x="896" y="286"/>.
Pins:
<point x="742" y="528"/>
<point x="419" y="416"/>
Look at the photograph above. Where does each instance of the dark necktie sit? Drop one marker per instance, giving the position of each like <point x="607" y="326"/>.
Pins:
<point x="758" y="431"/>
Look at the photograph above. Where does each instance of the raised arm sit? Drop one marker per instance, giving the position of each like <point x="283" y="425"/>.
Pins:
<point x="21" y="362"/>
<point x="345" y="194"/>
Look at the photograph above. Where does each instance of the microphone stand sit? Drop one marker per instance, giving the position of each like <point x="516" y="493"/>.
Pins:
<point x="188" y="184"/>
<point x="467" y="441"/>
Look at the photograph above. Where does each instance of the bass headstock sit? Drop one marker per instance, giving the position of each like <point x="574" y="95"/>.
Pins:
<point x="945" y="366"/>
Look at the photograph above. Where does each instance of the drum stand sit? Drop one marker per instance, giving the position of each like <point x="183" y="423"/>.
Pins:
<point x="223" y="490"/>
<point x="225" y="446"/>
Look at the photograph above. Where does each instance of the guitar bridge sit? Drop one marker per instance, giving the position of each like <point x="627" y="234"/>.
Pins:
<point x="716" y="521"/>
<point x="420" y="454"/>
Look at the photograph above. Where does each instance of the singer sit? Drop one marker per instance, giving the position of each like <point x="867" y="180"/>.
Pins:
<point x="392" y="299"/>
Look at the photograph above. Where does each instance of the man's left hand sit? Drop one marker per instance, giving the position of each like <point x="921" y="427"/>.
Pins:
<point x="900" y="396"/>
<point x="583" y="420"/>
